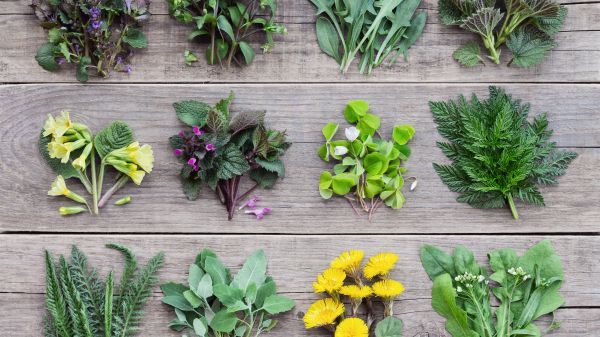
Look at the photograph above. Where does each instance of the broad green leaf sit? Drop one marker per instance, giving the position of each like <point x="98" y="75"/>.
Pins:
<point x="323" y="152"/>
<point x="436" y="262"/>
<point x="389" y="327"/>
<point x="443" y="301"/>
<point x="264" y="178"/>
<point x="355" y="110"/>
<point x="551" y="24"/>
<point x="195" y="275"/>
<point x="227" y="295"/>
<point x="326" y="193"/>
<point x="192" y="113"/>
<point x="325" y="179"/>
<point x="375" y="163"/>
<point x="136" y="38"/>
<point x="199" y="328"/>
<point x="528" y="48"/>
<point x="225" y="26"/>
<point x="217" y="271"/>
<point x="329" y="130"/>
<point x="205" y="288"/>
<point x="192" y="298"/>
<point x="178" y="302"/>
<point x="65" y="170"/>
<point x="529" y="330"/>
<point x="251" y="293"/>
<point x="224" y="321"/>
<point x="395" y="200"/>
<point x="253" y="271"/>
<point x="412" y="34"/>
<point x="275" y="304"/>
<point x="267" y="289"/>
<point x="64" y="49"/>
<point x="237" y="306"/>
<point x="173" y="289"/>
<point x="343" y="182"/>
<point x="247" y="51"/>
<point x="115" y="136"/>
<point x="46" y="58"/>
<point x="468" y="55"/>
<point x="191" y="187"/>
<point x="464" y="261"/>
<point x="82" y="69"/>
<point x="328" y="38"/>
<point x="276" y="166"/>
<point x="232" y="162"/>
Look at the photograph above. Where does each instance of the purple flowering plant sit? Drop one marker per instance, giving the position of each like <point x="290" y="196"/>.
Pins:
<point x="97" y="35"/>
<point x="219" y="149"/>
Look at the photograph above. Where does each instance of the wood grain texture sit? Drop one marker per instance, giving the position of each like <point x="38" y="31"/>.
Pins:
<point x="159" y="205"/>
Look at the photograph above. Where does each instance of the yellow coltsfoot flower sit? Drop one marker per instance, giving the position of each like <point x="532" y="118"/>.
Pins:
<point x="330" y="281"/>
<point x="323" y="312"/>
<point x="387" y="288"/>
<point x="349" y="261"/>
<point x="59" y="188"/>
<point x="57" y="126"/>
<point x="352" y="327"/>
<point x="356" y="292"/>
<point x="380" y="265"/>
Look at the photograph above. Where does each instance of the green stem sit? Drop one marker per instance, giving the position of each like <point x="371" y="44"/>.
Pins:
<point x="120" y="183"/>
<point x="85" y="181"/>
<point x="101" y="177"/>
<point x="94" y="183"/>
<point x="484" y="322"/>
<point x="511" y="204"/>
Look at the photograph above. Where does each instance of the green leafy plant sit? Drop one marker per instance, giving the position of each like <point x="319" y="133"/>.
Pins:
<point x="219" y="149"/>
<point x="497" y="154"/>
<point x="100" y="35"/>
<point x="373" y="29"/>
<point x="526" y="27"/>
<point x="215" y="304"/>
<point x="70" y="150"/>
<point x="79" y="303"/>
<point x="228" y="26"/>
<point x="368" y="170"/>
<point x="527" y="288"/>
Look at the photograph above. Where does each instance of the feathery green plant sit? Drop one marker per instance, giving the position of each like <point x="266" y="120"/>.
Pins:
<point x="80" y="304"/>
<point x="496" y="153"/>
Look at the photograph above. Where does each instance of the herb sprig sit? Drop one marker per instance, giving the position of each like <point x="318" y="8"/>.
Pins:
<point x="373" y="29"/>
<point x="220" y="148"/>
<point x="100" y="35"/>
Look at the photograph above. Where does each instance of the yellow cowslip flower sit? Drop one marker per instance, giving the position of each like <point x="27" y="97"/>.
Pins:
<point x="352" y="327"/>
<point x="387" y="289"/>
<point x="330" y="281"/>
<point x="142" y="156"/>
<point x="59" y="188"/>
<point x="349" y="261"/>
<point x="136" y="175"/>
<point x="63" y="150"/>
<point x="323" y="312"/>
<point x="356" y="292"/>
<point x="80" y="162"/>
<point x="380" y="265"/>
<point x="57" y="127"/>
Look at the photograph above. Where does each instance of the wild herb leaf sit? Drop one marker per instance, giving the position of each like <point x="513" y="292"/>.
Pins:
<point x="115" y="136"/>
<point x="468" y="55"/>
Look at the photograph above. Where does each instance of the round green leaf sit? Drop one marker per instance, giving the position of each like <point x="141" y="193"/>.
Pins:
<point x="224" y="321"/>
<point x="355" y="109"/>
<point x="403" y="133"/>
<point x="325" y="179"/>
<point x="375" y="163"/>
<point x="342" y="183"/>
<point x="329" y="131"/>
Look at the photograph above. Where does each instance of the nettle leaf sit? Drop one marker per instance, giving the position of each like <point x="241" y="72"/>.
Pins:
<point x="115" y="136"/>
<point x="46" y="58"/>
<point x="191" y="187"/>
<point x="231" y="162"/>
<point x="528" y="48"/>
<point x="551" y="24"/>
<point x="389" y="327"/>
<point x="468" y="55"/>
<point x="276" y="166"/>
<point x="136" y="38"/>
<point x="264" y="178"/>
<point x="65" y="170"/>
<point x="192" y="113"/>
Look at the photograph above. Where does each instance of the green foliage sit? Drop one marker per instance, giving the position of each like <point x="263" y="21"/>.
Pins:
<point x="497" y="154"/>
<point x="80" y="304"/>
<point x="215" y="304"/>
<point x="369" y="170"/>
<point x="526" y="27"/>
<point x="227" y="26"/>
<point x="90" y="35"/>
<point x="527" y="288"/>
<point x="115" y="136"/>
<point x="389" y="327"/>
<point x="65" y="170"/>
<point x="221" y="148"/>
<point x="377" y="30"/>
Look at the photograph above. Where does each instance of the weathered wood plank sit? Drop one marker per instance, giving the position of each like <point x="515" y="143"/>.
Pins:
<point x="298" y="53"/>
<point x="159" y="205"/>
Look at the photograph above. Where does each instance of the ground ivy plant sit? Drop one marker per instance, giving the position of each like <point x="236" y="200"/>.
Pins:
<point x="368" y="170"/>
<point x="95" y="35"/>
<point x="526" y="286"/>
<point x="219" y="149"/>
<point x="229" y="26"/>
<point x="526" y="27"/>
<point x="372" y="29"/>
<point x="215" y="304"/>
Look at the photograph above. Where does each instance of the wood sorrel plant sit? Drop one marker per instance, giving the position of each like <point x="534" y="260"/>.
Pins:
<point x="71" y="151"/>
<point x="219" y="149"/>
<point x="99" y="35"/>
<point x="369" y="171"/>
<point x="215" y="304"/>
<point x="345" y="282"/>
<point x="527" y="288"/>
<point x="228" y="26"/>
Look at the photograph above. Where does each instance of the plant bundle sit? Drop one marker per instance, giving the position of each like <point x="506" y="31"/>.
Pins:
<point x="100" y="35"/>
<point x="527" y="288"/>
<point x="79" y="303"/>
<point x="369" y="171"/>
<point x="228" y="25"/>
<point x="526" y="27"/>
<point x="344" y="281"/>
<point x="70" y="149"/>
<point x="219" y="149"/>
<point x="497" y="154"/>
<point x="214" y="304"/>
<point x="373" y="29"/>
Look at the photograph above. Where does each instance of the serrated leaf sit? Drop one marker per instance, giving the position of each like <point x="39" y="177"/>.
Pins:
<point x="551" y="24"/>
<point x="231" y="162"/>
<point x="136" y="38"/>
<point x="468" y="55"/>
<point x="65" y="170"/>
<point x="264" y="178"/>
<point x="528" y="48"/>
<point x="245" y="120"/>
<point x="276" y="166"/>
<point x="192" y="113"/>
<point x="115" y="136"/>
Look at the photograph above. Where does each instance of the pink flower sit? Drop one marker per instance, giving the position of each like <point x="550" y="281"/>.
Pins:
<point x="178" y="152"/>
<point x="192" y="161"/>
<point x="260" y="213"/>
<point x="181" y="133"/>
<point x="250" y="203"/>
<point x="210" y="147"/>
<point x="197" y="131"/>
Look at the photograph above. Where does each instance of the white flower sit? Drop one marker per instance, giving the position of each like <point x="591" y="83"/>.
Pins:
<point x="459" y="289"/>
<point x="352" y="133"/>
<point x="480" y="278"/>
<point x="340" y="150"/>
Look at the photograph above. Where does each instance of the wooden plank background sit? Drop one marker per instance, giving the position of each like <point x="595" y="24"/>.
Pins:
<point x="301" y="89"/>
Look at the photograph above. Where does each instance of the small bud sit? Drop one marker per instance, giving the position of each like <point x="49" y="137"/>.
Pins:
<point x="71" y="210"/>
<point x="123" y="201"/>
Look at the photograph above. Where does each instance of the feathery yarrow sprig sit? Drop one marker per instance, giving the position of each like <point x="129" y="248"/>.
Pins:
<point x="344" y="281"/>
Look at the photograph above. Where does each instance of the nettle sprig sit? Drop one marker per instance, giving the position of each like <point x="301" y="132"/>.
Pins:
<point x="345" y="282"/>
<point x="98" y="35"/>
<point x="220" y="149"/>
<point x="228" y="26"/>
<point x="527" y="288"/>
<point x="71" y="151"/>
<point x="368" y="172"/>
<point x="215" y="304"/>
<point x="526" y="27"/>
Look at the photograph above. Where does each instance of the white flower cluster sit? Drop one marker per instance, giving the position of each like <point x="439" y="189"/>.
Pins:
<point x="519" y="272"/>
<point x="468" y="279"/>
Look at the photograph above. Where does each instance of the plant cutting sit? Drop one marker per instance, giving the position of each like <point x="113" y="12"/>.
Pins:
<point x="219" y="149"/>
<point x="368" y="169"/>
<point x="347" y="281"/>
<point x="497" y="154"/>
<point x="527" y="287"/>
<point x="215" y="304"/>
<point x="229" y="26"/>
<point x="525" y="27"/>
<point x="97" y="35"/>
<point x="72" y="151"/>
<point x="80" y="303"/>
<point x="370" y="30"/>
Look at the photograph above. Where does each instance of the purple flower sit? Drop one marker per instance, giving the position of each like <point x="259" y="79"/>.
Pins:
<point x="210" y="147"/>
<point x="178" y="152"/>
<point x="250" y="203"/>
<point x="182" y="134"/>
<point x="96" y="24"/>
<point x="259" y="213"/>
<point x="61" y="60"/>
<point x="197" y="131"/>
<point x="128" y="69"/>
<point x="95" y="12"/>
<point x="119" y="60"/>
<point x="192" y="161"/>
